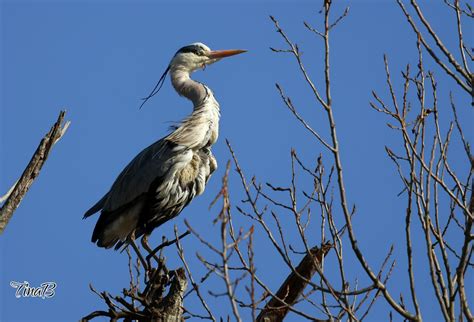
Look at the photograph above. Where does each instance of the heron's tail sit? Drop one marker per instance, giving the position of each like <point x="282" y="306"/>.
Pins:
<point x="95" y="208"/>
<point x="117" y="226"/>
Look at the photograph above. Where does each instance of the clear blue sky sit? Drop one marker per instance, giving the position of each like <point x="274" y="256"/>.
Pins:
<point x="97" y="58"/>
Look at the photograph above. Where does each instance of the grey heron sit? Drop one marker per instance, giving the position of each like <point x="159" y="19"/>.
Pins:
<point x="163" y="179"/>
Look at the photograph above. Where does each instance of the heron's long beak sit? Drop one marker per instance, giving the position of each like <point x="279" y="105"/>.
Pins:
<point x="218" y="54"/>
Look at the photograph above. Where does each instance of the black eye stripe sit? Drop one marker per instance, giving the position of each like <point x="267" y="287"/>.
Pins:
<point x="191" y="49"/>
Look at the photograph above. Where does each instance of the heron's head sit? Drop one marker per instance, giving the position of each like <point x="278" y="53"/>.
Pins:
<point x="190" y="58"/>
<point x="198" y="55"/>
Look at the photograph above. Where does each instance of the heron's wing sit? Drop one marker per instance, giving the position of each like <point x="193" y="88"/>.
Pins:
<point x="155" y="163"/>
<point x="98" y="206"/>
<point x="153" y="188"/>
<point x="123" y="205"/>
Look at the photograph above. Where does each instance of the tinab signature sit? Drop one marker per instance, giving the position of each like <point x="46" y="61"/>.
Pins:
<point x="23" y="289"/>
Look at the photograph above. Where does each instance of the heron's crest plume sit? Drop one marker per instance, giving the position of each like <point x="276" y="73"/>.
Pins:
<point x="157" y="87"/>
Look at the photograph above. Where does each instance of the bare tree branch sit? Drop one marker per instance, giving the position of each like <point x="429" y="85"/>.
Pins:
<point x="31" y="172"/>
<point x="293" y="286"/>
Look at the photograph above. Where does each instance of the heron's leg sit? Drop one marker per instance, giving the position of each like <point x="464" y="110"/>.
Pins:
<point x="137" y="251"/>
<point x="145" y="243"/>
<point x="165" y="243"/>
<point x="147" y="247"/>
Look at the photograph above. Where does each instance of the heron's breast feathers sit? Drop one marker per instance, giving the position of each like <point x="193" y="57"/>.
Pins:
<point x="200" y="129"/>
<point x="197" y="172"/>
<point x="169" y="197"/>
<point x="190" y="172"/>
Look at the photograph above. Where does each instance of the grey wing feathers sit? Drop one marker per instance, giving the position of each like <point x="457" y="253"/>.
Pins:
<point x="151" y="174"/>
<point x="138" y="175"/>
<point x="128" y="185"/>
<point x="95" y="208"/>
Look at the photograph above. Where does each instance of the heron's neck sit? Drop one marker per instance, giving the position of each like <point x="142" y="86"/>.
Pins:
<point x="200" y="129"/>
<point x="185" y="86"/>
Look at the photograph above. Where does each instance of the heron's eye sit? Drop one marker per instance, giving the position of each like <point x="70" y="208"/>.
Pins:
<point x="200" y="52"/>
